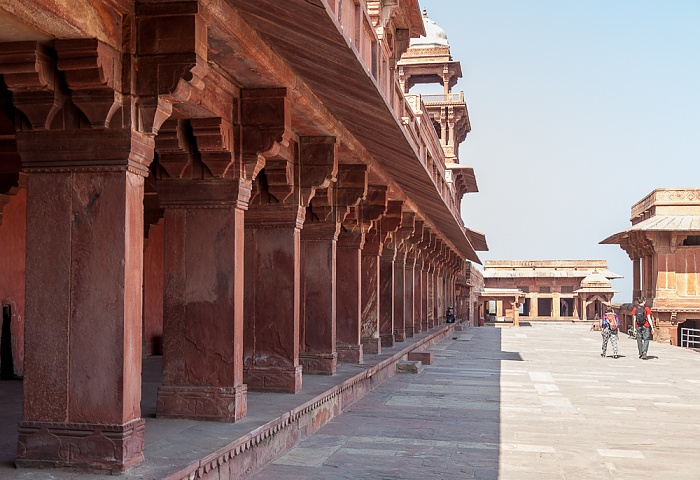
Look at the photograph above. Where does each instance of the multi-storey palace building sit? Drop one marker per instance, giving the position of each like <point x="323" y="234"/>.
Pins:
<point x="244" y="186"/>
<point x="663" y="243"/>
<point x="547" y="289"/>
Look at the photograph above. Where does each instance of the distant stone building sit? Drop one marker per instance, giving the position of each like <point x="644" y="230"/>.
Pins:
<point x="664" y="246"/>
<point x="552" y="289"/>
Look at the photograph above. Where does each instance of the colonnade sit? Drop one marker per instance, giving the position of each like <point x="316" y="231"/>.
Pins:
<point x="282" y="255"/>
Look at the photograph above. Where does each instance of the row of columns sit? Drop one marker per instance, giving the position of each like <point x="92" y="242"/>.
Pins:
<point x="333" y="266"/>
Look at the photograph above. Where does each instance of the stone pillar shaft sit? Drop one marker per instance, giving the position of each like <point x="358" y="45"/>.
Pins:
<point x="82" y="381"/>
<point x="386" y="297"/>
<point x="399" y="297"/>
<point x="271" y="308"/>
<point x="370" y="300"/>
<point x="318" y="306"/>
<point x="203" y="314"/>
<point x="348" y="303"/>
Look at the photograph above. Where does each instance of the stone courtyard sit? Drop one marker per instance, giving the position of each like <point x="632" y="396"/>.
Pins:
<point x="523" y="403"/>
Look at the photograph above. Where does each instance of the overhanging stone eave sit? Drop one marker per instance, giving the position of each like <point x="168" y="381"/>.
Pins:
<point x="352" y="95"/>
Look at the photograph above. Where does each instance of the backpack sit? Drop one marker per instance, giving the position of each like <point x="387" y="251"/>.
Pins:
<point x="613" y="323"/>
<point x="639" y="316"/>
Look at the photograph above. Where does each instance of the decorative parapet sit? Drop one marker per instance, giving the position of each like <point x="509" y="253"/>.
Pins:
<point x="584" y="264"/>
<point x="667" y="201"/>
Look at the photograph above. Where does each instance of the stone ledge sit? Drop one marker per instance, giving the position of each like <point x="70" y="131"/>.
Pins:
<point x="426" y="358"/>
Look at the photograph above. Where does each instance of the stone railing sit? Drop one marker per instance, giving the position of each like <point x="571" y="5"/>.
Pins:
<point x="356" y="22"/>
<point x="419" y="127"/>
<point x="446" y="98"/>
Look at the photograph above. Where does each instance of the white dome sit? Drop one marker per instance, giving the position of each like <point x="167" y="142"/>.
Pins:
<point x="434" y="35"/>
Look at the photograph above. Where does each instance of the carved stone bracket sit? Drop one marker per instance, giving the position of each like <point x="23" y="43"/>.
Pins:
<point x="408" y="224"/>
<point x="93" y="72"/>
<point x="215" y="144"/>
<point x="318" y="165"/>
<point x="265" y="129"/>
<point x="391" y="221"/>
<point x="29" y="70"/>
<point x="171" y="58"/>
<point x="174" y="147"/>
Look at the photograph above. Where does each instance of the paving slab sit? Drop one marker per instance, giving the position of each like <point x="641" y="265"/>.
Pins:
<point x="535" y="402"/>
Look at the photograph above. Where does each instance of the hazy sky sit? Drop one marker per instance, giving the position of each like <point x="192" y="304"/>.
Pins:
<point x="579" y="109"/>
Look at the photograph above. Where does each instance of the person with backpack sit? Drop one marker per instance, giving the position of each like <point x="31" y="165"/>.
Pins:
<point x="609" y="326"/>
<point x="644" y="326"/>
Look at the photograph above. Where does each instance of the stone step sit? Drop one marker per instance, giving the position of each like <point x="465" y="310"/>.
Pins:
<point x="426" y="358"/>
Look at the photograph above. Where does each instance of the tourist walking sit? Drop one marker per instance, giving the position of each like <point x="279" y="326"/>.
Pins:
<point x="644" y="326"/>
<point x="609" y="326"/>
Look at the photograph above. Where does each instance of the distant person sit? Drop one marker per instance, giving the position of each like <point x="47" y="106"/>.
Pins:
<point x="610" y="327"/>
<point x="644" y="326"/>
<point x="450" y="317"/>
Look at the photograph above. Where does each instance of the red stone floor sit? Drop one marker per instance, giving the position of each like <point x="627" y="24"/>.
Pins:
<point x="175" y="447"/>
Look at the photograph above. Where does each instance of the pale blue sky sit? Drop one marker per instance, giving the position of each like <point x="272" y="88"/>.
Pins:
<point x="579" y="109"/>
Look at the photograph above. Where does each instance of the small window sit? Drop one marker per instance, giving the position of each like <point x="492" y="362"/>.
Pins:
<point x="567" y="289"/>
<point x="692" y="241"/>
<point x="545" y="290"/>
<point x="525" y="289"/>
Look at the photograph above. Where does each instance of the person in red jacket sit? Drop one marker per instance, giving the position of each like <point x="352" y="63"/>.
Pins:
<point x="644" y="325"/>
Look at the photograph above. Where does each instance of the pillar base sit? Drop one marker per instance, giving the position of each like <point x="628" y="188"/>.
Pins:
<point x="387" y="339"/>
<point x="210" y="404"/>
<point x="273" y="379"/>
<point x="319" y="363"/>
<point x="81" y="446"/>
<point x="400" y="336"/>
<point x="371" y="346"/>
<point x="349" y="353"/>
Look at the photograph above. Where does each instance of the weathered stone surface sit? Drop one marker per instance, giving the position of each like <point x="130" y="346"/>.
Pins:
<point x="409" y="366"/>
<point x="79" y="445"/>
<point x="426" y="358"/>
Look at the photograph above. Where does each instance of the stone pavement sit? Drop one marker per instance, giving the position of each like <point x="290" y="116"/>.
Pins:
<point x="535" y="402"/>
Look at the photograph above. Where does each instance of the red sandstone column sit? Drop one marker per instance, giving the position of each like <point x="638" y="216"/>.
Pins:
<point x="410" y="290"/>
<point x="371" y="253"/>
<point x="318" y="300"/>
<point x="271" y="308"/>
<point x="399" y="294"/>
<point x="413" y="263"/>
<point x="425" y="246"/>
<point x="83" y="294"/>
<point x="418" y="293"/>
<point x="348" y="313"/>
<point x="401" y="289"/>
<point x="84" y="258"/>
<point x="348" y="264"/>
<point x="281" y="193"/>
<point x="636" y="280"/>
<point x="318" y="264"/>
<point x="203" y="289"/>
<point x="386" y="294"/>
<point x="389" y="223"/>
